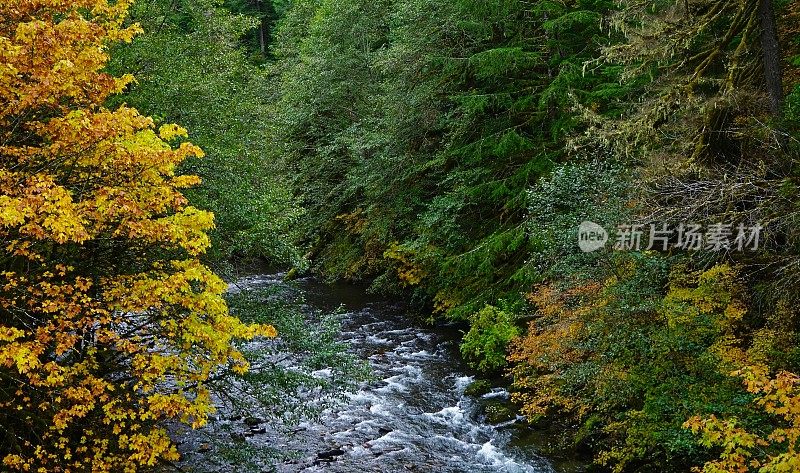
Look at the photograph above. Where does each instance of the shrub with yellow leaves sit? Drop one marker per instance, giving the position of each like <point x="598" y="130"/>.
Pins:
<point x="627" y="359"/>
<point x="109" y="324"/>
<point x="540" y="356"/>
<point x="744" y="451"/>
<point x="409" y="272"/>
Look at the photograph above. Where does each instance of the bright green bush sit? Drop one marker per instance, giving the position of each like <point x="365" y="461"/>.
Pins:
<point x="484" y="346"/>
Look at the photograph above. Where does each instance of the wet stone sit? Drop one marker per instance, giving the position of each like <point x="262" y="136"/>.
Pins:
<point x="478" y="388"/>
<point x="253" y="421"/>
<point x="498" y="411"/>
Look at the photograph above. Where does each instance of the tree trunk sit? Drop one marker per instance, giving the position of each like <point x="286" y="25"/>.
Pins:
<point x="771" y="56"/>
<point x="262" y="40"/>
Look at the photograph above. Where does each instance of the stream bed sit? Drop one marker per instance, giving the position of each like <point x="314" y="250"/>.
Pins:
<point x="412" y="416"/>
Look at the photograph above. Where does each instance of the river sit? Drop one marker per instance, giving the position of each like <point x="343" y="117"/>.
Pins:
<point x="413" y="415"/>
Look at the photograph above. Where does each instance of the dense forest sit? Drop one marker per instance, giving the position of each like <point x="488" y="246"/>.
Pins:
<point x="603" y="196"/>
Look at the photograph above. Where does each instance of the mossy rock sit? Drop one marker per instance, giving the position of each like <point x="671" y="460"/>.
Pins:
<point x="291" y="275"/>
<point x="497" y="412"/>
<point x="478" y="388"/>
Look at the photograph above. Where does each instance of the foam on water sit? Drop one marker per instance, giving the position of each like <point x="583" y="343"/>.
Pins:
<point x="452" y="416"/>
<point x="461" y="383"/>
<point x="498" y="459"/>
<point x="497" y="393"/>
<point x="379" y="409"/>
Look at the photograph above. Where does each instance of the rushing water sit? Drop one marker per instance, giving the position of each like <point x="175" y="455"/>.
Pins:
<point x="414" y="416"/>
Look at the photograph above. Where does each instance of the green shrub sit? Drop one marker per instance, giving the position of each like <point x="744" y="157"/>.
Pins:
<point x="484" y="346"/>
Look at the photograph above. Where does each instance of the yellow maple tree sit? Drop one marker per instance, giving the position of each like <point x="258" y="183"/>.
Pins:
<point x="109" y="324"/>
<point x="744" y="451"/>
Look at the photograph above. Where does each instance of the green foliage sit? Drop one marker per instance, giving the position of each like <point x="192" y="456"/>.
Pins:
<point x="190" y="68"/>
<point x="417" y="123"/>
<point x="266" y="13"/>
<point x="598" y="190"/>
<point x="628" y="361"/>
<point x="478" y="388"/>
<point x="793" y="108"/>
<point x="490" y="331"/>
<point x="678" y="366"/>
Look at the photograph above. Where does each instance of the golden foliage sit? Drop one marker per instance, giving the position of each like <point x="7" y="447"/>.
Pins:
<point x="409" y="272"/>
<point x="715" y="295"/>
<point x="561" y="364"/>
<point x="354" y="222"/>
<point x="743" y="451"/>
<point x="551" y="344"/>
<point x="108" y="323"/>
<point x="443" y="301"/>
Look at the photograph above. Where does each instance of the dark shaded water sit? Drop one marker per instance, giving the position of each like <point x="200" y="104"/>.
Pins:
<point x="414" y="416"/>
